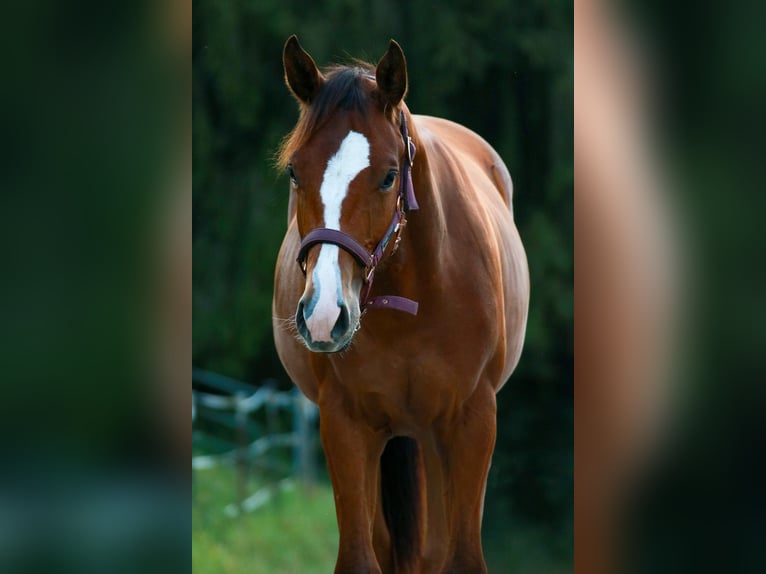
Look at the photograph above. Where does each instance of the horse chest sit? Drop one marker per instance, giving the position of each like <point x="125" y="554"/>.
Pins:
<point x="402" y="393"/>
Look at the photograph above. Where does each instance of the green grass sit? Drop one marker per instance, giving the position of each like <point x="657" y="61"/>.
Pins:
<point x="294" y="533"/>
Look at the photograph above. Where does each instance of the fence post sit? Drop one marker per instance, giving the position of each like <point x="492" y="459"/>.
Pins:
<point x="303" y="461"/>
<point x="240" y="417"/>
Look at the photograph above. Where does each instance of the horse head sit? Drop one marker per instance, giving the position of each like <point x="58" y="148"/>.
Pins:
<point x="345" y="160"/>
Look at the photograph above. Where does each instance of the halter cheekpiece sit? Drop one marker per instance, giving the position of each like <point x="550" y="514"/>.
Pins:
<point x="405" y="202"/>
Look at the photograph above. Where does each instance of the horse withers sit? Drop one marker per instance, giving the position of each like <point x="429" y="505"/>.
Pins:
<point x="400" y="305"/>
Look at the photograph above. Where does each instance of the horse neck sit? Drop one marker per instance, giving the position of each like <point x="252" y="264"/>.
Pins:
<point x="426" y="228"/>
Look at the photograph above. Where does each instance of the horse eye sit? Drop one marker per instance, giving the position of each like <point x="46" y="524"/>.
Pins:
<point x="389" y="180"/>
<point x="291" y="173"/>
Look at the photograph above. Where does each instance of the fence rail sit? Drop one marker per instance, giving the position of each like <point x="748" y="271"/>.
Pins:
<point x="233" y="407"/>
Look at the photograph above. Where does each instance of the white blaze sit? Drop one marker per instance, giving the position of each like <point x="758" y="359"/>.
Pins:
<point x="350" y="159"/>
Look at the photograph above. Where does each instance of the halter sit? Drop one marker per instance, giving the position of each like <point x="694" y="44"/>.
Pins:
<point x="405" y="202"/>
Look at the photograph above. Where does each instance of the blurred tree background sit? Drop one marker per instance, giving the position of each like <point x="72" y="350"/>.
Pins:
<point x="505" y="70"/>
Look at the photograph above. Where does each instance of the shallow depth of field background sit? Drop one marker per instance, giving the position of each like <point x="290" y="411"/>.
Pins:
<point x="505" y="70"/>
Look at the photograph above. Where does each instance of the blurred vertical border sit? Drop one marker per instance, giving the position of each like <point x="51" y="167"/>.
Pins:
<point x="95" y="295"/>
<point x="670" y="287"/>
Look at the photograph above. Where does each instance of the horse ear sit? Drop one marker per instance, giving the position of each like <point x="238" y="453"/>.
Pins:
<point x="301" y="73"/>
<point x="391" y="74"/>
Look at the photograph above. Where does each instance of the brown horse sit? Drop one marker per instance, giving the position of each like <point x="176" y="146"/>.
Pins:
<point x="405" y="369"/>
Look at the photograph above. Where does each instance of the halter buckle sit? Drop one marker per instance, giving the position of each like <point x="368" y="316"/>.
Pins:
<point x="409" y="150"/>
<point x="399" y="228"/>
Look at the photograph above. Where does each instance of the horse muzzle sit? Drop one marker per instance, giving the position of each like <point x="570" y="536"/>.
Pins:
<point x="326" y="332"/>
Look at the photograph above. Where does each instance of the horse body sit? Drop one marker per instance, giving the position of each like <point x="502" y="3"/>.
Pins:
<point x="455" y="265"/>
<point x="430" y="377"/>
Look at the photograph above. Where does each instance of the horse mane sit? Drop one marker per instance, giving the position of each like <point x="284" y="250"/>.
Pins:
<point x="343" y="89"/>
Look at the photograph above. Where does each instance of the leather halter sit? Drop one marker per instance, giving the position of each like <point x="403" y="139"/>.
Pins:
<point x="405" y="202"/>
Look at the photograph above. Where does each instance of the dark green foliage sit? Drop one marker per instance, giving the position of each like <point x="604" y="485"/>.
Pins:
<point x="503" y="69"/>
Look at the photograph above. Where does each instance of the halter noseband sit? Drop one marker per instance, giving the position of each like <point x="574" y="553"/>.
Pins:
<point x="405" y="202"/>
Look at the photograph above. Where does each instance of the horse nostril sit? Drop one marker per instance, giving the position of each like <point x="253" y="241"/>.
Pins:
<point x="341" y="325"/>
<point x="300" y="320"/>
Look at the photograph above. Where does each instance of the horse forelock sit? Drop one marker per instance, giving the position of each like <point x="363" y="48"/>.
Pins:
<point x="346" y="89"/>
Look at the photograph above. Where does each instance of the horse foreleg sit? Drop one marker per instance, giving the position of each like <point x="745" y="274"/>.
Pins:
<point x="467" y="441"/>
<point x="352" y="450"/>
<point x="381" y="539"/>
<point x="437" y="533"/>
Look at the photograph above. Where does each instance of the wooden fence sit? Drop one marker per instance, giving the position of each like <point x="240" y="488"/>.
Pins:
<point x="234" y="406"/>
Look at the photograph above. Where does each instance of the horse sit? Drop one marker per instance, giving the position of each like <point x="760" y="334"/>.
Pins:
<point x="400" y="305"/>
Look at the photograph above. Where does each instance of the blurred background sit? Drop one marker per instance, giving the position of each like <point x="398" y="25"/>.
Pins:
<point x="261" y="498"/>
<point x="669" y="338"/>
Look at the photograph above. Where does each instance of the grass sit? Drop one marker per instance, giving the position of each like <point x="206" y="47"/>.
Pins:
<point x="296" y="533"/>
